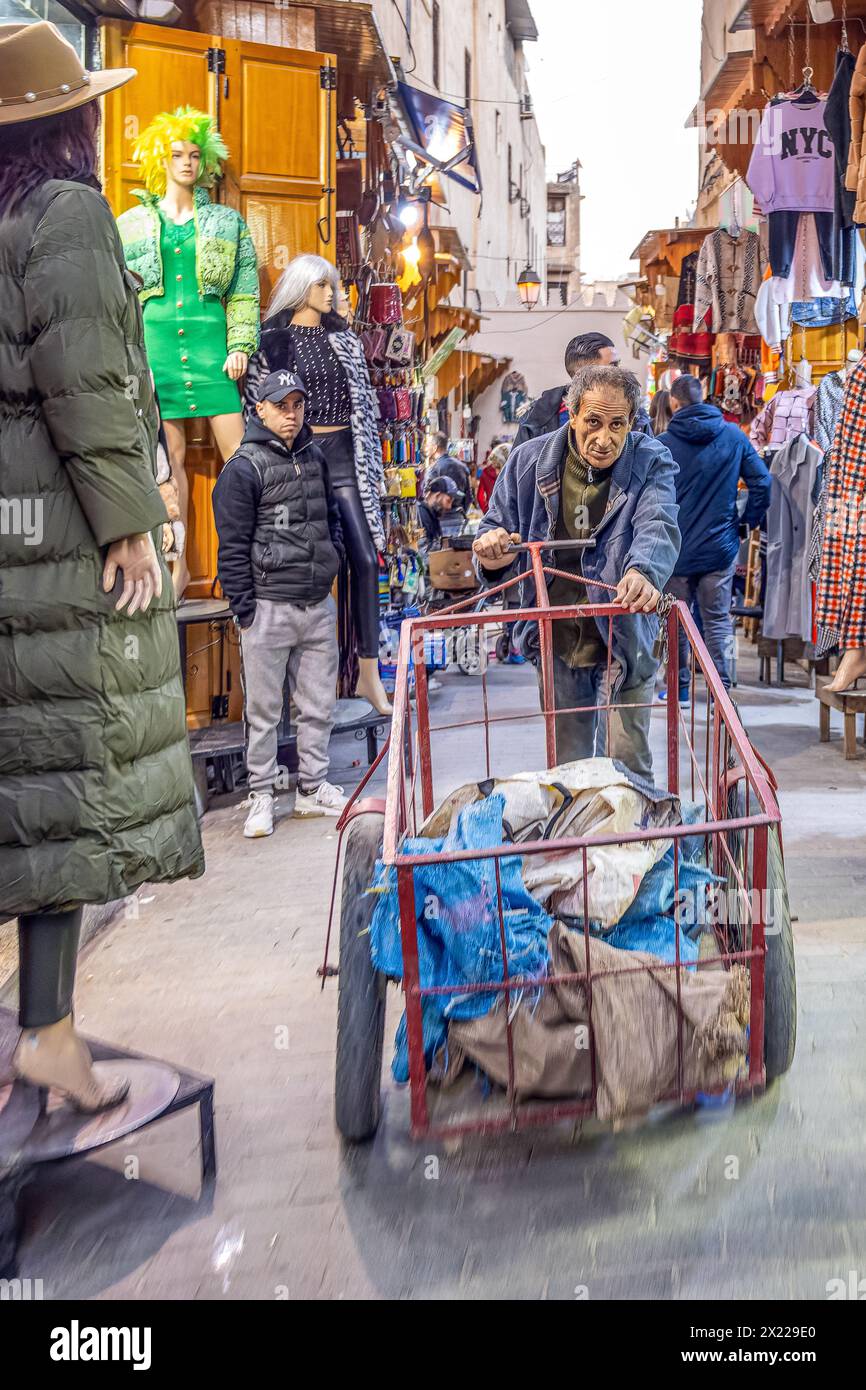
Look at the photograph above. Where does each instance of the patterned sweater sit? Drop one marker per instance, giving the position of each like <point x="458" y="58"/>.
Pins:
<point x="729" y="275"/>
<point x="225" y="260"/>
<point x="783" y="418"/>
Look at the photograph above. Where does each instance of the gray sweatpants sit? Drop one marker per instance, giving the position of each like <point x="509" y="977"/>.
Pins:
<point x="304" y="641"/>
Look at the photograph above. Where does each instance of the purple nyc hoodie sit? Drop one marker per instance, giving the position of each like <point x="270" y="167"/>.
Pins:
<point x="793" y="167"/>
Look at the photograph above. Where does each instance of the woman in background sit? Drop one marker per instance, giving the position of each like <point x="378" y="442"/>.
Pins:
<point x="660" y="412"/>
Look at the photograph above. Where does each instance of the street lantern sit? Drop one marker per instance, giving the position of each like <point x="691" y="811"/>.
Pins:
<point x="529" y="287"/>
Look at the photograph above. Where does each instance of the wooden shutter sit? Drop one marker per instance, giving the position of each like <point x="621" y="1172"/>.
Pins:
<point x="278" y="122"/>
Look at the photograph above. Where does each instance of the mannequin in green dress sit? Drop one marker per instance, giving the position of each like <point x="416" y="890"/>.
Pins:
<point x="199" y="291"/>
<point x="182" y="172"/>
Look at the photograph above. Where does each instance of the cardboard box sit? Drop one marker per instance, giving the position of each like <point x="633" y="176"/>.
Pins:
<point x="452" y="569"/>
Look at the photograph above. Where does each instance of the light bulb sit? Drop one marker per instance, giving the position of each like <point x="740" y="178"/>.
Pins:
<point x="409" y="215"/>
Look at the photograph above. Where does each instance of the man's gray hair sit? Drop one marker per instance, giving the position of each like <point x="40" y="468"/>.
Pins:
<point x="599" y="378"/>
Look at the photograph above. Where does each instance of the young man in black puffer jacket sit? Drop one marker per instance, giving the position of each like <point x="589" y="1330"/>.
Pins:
<point x="279" y="551"/>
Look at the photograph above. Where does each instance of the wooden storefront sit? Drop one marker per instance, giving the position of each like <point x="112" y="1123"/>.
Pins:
<point x="275" y="107"/>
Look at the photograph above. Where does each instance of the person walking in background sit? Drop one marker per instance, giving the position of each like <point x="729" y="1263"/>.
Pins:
<point x="660" y="412"/>
<point x="713" y="456"/>
<point x="549" y="412"/>
<point x="493" y="466"/>
<point x="96" y="793"/>
<point x="280" y="542"/>
<point x="441" y="464"/>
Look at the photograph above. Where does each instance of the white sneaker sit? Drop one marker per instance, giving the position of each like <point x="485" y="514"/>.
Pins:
<point x="260" y="820"/>
<point x="324" y="801"/>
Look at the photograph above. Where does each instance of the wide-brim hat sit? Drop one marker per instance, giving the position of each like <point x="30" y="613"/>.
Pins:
<point x="42" y="75"/>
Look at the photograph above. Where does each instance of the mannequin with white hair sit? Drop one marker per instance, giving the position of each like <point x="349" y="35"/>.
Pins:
<point x="305" y="334"/>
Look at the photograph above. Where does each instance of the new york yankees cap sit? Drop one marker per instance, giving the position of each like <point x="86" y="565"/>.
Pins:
<point x="281" y="384"/>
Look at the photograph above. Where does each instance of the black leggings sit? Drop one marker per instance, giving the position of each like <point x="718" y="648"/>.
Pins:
<point x="360" y="547"/>
<point x="47" y="955"/>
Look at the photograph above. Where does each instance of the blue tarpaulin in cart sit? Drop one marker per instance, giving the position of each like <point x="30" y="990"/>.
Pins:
<point x="459" y="940"/>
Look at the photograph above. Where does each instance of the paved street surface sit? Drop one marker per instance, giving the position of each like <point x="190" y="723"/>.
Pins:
<point x="213" y="974"/>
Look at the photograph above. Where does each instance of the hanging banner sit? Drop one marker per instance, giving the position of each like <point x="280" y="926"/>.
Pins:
<point x="442" y="353"/>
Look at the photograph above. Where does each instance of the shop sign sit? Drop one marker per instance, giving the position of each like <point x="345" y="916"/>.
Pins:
<point x="443" y="352"/>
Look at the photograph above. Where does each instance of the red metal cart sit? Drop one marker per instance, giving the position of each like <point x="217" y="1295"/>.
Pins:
<point x="709" y="757"/>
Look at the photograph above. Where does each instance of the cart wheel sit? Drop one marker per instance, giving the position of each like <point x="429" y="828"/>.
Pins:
<point x="503" y="647"/>
<point x="469" y="661"/>
<point x="361" y="994"/>
<point x="780" y="979"/>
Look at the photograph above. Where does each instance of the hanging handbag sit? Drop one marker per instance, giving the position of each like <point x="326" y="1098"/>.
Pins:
<point x="386" y="304"/>
<point x="348" y="239"/>
<point x="374" y="342"/>
<point x="401" y="346"/>
<point x="403" y="403"/>
<point x="387" y="403"/>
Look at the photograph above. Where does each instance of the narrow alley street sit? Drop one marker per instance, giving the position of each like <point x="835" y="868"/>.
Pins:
<point x="214" y="972"/>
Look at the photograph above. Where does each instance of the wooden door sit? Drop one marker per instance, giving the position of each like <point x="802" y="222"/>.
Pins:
<point x="278" y="122"/>
<point x="172" y="68"/>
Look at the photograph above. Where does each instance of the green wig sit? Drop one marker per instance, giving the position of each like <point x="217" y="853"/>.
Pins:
<point x="153" y="148"/>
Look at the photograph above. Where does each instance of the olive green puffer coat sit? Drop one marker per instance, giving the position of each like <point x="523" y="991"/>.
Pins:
<point x="96" y="793"/>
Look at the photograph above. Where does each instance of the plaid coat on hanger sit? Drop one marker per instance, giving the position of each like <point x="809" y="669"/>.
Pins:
<point x="842" y="582"/>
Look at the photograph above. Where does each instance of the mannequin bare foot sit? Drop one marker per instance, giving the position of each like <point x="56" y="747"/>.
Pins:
<point x="370" y="687"/>
<point x="57" y="1058"/>
<point x="851" y="667"/>
<point x="180" y="577"/>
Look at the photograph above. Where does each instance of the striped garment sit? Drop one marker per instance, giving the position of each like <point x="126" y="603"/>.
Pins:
<point x="842" y="582"/>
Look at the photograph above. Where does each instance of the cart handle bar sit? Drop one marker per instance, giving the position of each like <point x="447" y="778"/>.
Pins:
<point x="528" y="546"/>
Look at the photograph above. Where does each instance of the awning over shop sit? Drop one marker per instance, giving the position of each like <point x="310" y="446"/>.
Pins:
<point x="735" y="68"/>
<point x="773" y="15"/>
<point x="663" y="250"/>
<point x="450" y="262"/>
<point x="519" y="21"/>
<point x="446" y="317"/>
<point x="477" y="370"/>
<point x="350" y="30"/>
<point x="448" y="243"/>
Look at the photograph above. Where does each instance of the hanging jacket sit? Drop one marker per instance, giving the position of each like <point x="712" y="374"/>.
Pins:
<point x="855" y="178"/>
<point x="793" y="164"/>
<point x="277" y="353"/>
<point x="278" y="524"/>
<point x="638" y="531"/>
<point x="837" y="118"/>
<point x="96" y="789"/>
<point x="827" y="412"/>
<point x="729" y="275"/>
<point x="783" y="418"/>
<point x="225" y="261"/>
<point x="788" y="599"/>
<point x="713" y="455"/>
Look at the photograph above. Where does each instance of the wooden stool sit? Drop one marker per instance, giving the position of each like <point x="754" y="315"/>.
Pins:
<point x="850" y="706"/>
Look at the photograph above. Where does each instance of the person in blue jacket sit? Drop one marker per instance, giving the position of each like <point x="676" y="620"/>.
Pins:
<point x="713" y="456"/>
<point x="594" y="478"/>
